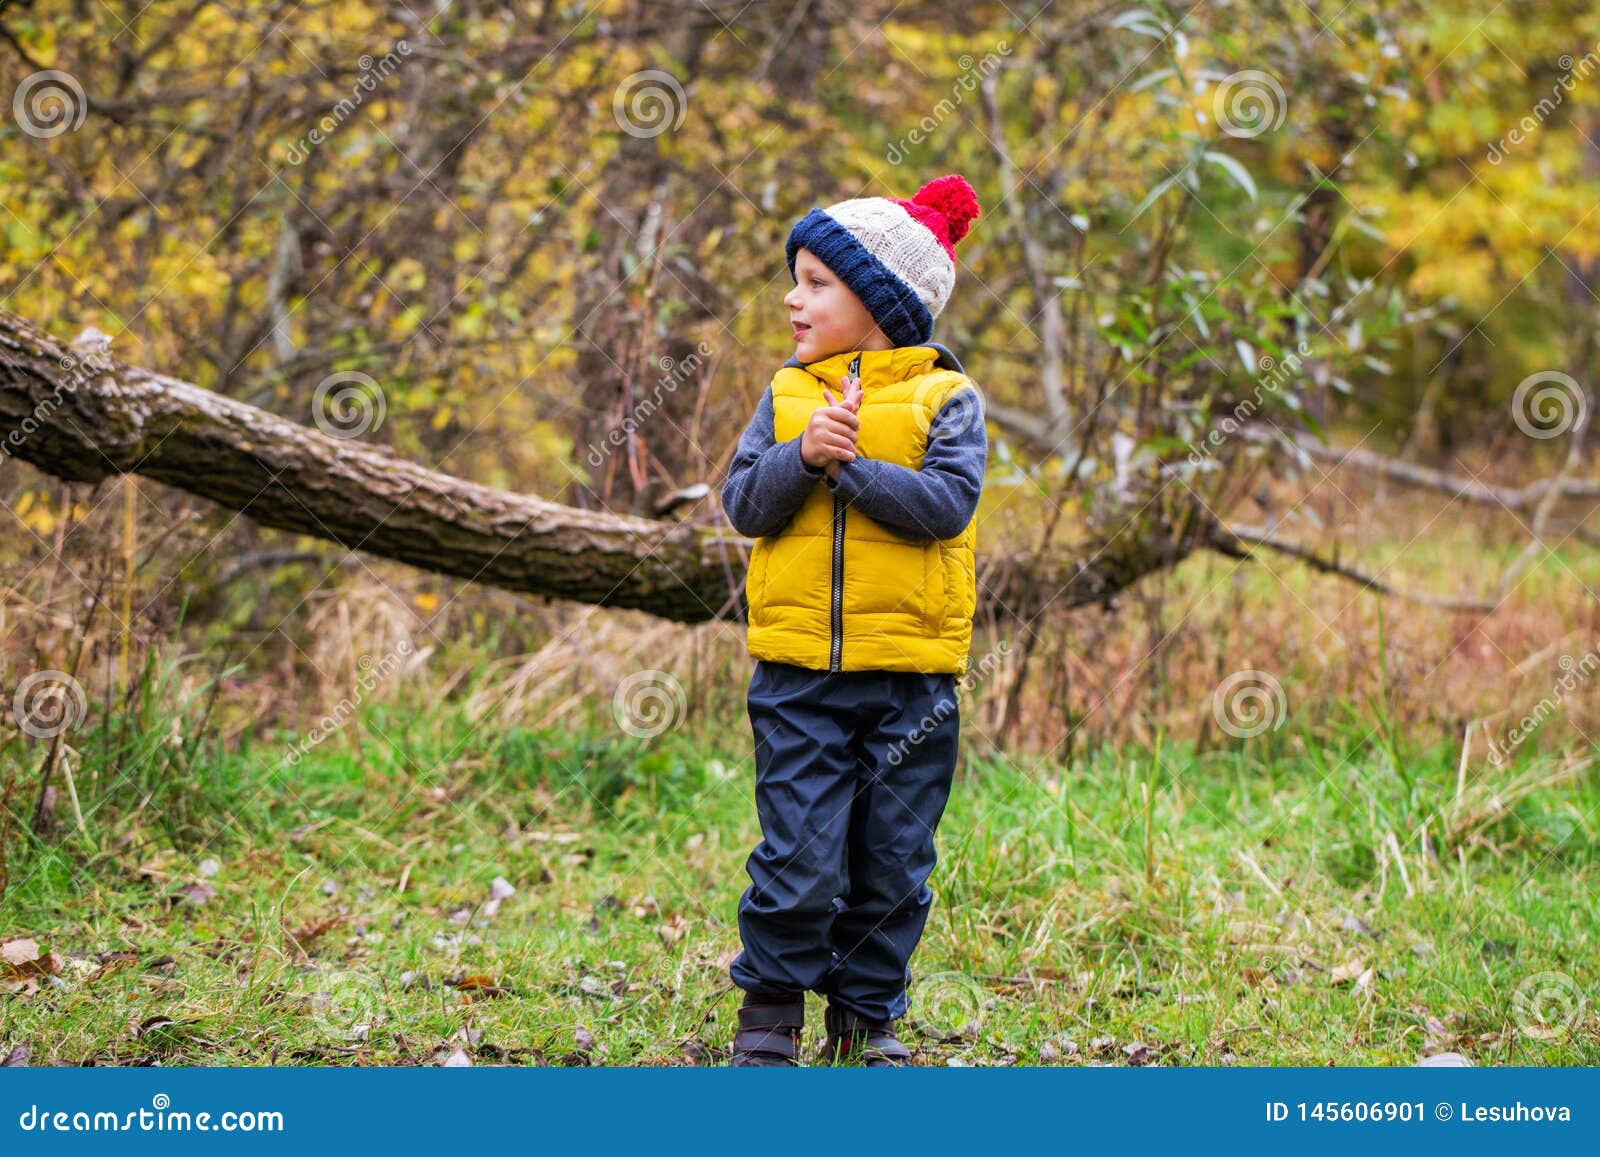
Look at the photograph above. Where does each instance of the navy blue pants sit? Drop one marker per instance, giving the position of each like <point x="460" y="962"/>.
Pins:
<point x="853" y="770"/>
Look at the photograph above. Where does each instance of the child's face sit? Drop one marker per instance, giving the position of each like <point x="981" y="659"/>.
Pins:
<point x="828" y="318"/>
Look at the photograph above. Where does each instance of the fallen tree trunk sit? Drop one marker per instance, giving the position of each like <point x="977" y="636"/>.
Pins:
<point x="85" y="416"/>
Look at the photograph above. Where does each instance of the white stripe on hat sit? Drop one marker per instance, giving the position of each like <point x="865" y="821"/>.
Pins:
<point x="901" y="242"/>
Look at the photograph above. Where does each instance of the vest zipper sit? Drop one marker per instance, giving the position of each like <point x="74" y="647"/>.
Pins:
<point x="837" y="653"/>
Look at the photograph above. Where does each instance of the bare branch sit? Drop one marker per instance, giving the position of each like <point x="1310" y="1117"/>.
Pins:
<point x="1229" y="540"/>
<point x="1467" y="489"/>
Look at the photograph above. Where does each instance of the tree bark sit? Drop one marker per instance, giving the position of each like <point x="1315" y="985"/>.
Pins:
<point x="84" y="415"/>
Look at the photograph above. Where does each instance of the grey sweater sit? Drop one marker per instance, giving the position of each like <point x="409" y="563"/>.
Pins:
<point x="767" y="480"/>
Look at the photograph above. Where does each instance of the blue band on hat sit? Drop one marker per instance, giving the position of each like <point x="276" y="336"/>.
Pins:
<point x="893" y="304"/>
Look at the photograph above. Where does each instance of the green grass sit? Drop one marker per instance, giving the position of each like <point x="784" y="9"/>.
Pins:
<point x="1289" y="900"/>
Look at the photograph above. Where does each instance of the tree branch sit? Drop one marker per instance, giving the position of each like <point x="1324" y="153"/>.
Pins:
<point x="1467" y="489"/>
<point x="1231" y="540"/>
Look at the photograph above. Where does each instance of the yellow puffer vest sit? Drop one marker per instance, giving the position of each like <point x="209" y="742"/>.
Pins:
<point x="836" y="591"/>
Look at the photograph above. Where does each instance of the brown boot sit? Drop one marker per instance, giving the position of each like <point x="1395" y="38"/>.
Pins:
<point x="769" y="1033"/>
<point x="853" y="1037"/>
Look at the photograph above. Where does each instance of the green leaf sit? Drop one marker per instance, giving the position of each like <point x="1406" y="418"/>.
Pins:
<point x="1151" y="198"/>
<point x="1144" y="22"/>
<point x="1241" y="175"/>
<point x="1151" y="78"/>
<point x="1360" y="224"/>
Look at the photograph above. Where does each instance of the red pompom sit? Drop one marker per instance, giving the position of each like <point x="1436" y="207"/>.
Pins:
<point x="952" y="197"/>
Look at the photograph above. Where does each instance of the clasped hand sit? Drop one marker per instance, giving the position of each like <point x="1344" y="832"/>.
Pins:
<point x="829" y="440"/>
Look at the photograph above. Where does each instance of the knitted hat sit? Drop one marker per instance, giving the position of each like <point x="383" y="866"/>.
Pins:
<point x="897" y="256"/>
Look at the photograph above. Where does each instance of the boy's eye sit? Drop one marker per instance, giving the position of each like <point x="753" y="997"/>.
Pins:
<point x="817" y="282"/>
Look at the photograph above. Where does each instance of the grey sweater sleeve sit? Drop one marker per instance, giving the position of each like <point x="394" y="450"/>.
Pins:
<point x="938" y="500"/>
<point x="767" y="482"/>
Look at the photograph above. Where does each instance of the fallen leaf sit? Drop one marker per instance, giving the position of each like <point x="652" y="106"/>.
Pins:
<point x="17" y="1058"/>
<point x="1358" y="926"/>
<point x="23" y="961"/>
<point x="674" y="929"/>
<point x="19" y="951"/>
<point x="478" y="985"/>
<point x="156" y="869"/>
<point x="1348" y="971"/>
<point x="458" y="1059"/>
<point x="314" y="929"/>
<point x="196" y="893"/>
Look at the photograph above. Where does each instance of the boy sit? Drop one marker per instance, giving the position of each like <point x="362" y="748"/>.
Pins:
<point x="859" y="479"/>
